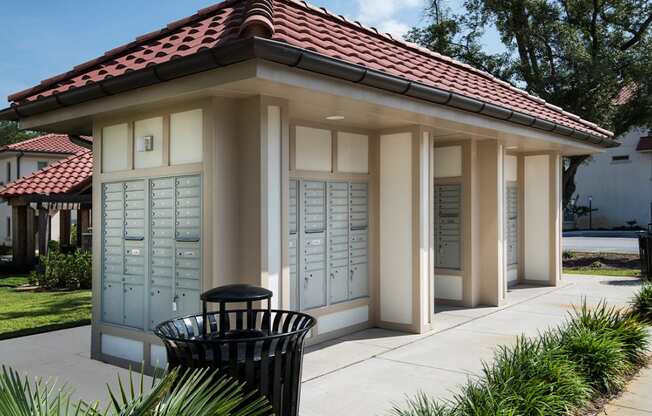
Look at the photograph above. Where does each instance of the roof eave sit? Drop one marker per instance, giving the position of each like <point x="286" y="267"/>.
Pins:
<point x="286" y="54"/>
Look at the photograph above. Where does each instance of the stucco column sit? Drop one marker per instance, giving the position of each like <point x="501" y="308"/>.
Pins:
<point x="489" y="200"/>
<point x="556" y="218"/>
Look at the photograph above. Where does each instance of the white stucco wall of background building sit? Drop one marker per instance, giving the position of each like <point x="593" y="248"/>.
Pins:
<point x="620" y="183"/>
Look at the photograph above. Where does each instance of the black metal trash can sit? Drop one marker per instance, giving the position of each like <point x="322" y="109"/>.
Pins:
<point x="645" y="249"/>
<point x="261" y="347"/>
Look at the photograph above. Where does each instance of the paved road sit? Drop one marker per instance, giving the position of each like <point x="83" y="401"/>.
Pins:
<point x="601" y="244"/>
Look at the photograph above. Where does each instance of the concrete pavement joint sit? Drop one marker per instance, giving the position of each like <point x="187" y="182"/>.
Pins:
<point x="462" y="372"/>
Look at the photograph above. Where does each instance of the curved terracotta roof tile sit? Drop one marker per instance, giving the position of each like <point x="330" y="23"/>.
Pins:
<point x="59" y="178"/>
<point x="49" y="143"/>
<point x="301" y="25"/>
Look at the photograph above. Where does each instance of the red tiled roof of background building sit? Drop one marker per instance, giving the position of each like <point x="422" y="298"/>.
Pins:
<point x="302" y="25"/>
<point x="63" y="176"/>
<point x="49" y="143"/>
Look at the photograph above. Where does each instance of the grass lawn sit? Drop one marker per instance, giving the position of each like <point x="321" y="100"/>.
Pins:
<point x="30" y="312"/>
<point x="604" y="272"/>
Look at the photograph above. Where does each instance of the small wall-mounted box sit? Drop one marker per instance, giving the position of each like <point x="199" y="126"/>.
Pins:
<point x="145" y="144"/>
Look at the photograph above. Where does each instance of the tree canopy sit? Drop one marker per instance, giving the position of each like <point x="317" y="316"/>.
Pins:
<point x="590" y="57"/>
<point x="10" y="133"/>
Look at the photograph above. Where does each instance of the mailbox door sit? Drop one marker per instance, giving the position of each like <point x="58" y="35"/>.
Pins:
<point x="511" y="223"/>
<point x="338" y="225"/>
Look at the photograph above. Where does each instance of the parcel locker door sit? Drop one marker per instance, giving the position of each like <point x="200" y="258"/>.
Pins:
<point x="313" y="286"/>
<point x="134" y="306"/>
<point x="160" y="305"/>
<point x="448" y="231"/>
<point x="112" y="305"/>
<point x="511" y="224"/>
<point x="188" y="302"/>
<point x="358" y="259"/>
<point x="339" y="284"/>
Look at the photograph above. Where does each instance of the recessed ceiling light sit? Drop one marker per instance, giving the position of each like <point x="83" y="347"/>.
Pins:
<point x="333" y="118"/>
<point x="511" y="147"/>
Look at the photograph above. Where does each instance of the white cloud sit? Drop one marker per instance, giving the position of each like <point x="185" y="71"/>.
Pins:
<point x="382" y="14"/>
<point x="394" y="28"/>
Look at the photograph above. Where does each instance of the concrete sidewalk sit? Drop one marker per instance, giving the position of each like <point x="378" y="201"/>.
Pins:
<point x="364" y="373"/>
<point x="637" y="400"/>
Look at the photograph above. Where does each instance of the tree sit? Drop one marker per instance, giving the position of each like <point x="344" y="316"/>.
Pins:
<point x="10" y="133"/>
<point x="580" y="55"/>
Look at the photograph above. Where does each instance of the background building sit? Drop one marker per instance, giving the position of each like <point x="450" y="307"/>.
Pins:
<point x="619" y="181"/>
<point x="21" y="159"/>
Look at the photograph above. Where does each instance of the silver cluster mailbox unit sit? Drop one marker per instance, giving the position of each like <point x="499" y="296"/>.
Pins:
<point x="151" y="263"/>
<point x="448" y="226"/>
<point x="328" y="242"/>
<point x="511" y="223"/>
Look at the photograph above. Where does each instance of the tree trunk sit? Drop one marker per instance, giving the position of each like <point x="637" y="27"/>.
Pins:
<point x="573" y="163"/>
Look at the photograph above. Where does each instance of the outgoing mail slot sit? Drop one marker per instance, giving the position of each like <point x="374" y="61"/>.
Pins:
<point x="188" y="252"/>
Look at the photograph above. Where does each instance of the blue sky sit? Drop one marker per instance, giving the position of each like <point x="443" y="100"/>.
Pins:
<point x="40" y="39"/>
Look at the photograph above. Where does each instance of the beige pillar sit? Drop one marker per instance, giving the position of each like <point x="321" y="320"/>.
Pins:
<point x="489" y="200"/>
<point x="556" y="218"/>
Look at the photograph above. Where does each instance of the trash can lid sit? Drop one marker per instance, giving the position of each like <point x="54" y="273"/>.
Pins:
<point x="236" y="293"/>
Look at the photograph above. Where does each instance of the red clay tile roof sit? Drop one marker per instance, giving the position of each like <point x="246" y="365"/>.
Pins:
<point x="64" y="176"/>
<point x="302" y="25"/>
<point x="645" y="144"/>
<point x="49" y="143"/>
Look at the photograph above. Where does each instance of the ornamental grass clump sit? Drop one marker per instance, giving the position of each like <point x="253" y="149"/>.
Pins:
<point x="642" y="303"/>
<point x="557" y="373"/>
<point x="531" y="377"/>
<point x="616" y="324"/>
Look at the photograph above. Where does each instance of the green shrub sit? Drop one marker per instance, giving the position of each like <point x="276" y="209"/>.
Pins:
<point x="64" y="271"/>
<point x="642" y="303"/>
<point x="569" y="255"/>
<point x="533" y="377"/>
<point x="615" y="324"/>
<point x="54" y="246"/>
<point x="422" y="405"/>
<point x="600" y="358"/>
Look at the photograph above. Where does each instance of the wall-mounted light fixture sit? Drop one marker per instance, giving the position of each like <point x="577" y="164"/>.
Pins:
<point x="145" y="144"/>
